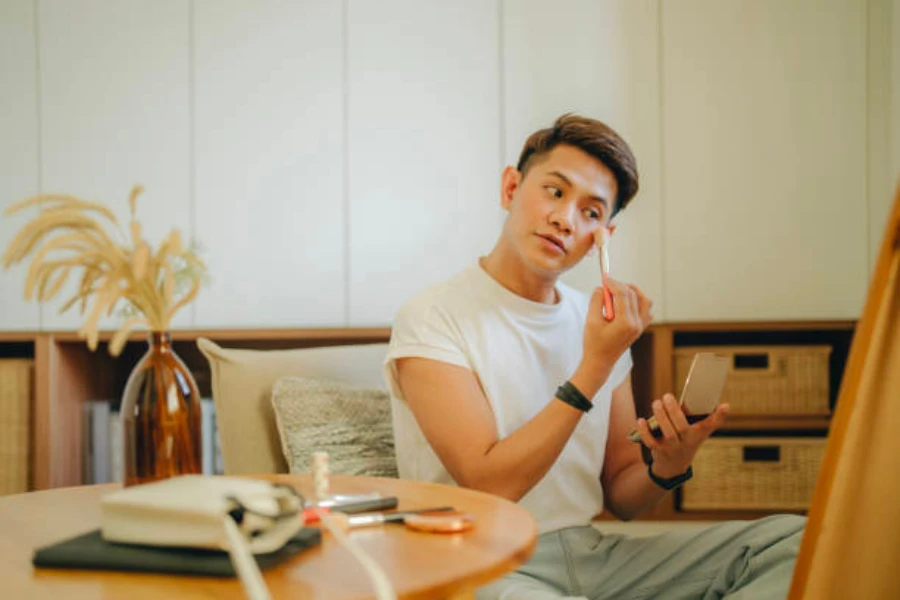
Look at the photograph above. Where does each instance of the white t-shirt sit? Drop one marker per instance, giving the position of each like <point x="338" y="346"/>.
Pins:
<point x="520" y="351"/>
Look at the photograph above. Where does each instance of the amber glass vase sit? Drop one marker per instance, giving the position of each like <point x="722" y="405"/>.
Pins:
<point x="160" y="416"/>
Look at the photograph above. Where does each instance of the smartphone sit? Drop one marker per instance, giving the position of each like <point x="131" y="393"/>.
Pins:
<point x="702" y="390"/>
<point x="385" y="503"/>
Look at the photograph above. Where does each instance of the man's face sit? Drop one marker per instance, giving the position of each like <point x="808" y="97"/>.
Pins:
<point x="554" y="210"/>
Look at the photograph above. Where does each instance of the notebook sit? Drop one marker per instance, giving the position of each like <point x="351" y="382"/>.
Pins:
<point x="91" y="551"/>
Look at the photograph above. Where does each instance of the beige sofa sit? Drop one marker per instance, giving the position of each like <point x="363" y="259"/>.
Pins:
<point x="242" y="383"/>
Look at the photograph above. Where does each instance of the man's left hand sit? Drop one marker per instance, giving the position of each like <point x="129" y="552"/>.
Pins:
<point x="674" y="452"/>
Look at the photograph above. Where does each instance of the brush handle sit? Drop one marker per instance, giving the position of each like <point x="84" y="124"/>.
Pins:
<point x="609" y="310"/>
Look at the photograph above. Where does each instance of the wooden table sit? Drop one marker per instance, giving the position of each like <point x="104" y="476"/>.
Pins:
<point x="420" y="565"/>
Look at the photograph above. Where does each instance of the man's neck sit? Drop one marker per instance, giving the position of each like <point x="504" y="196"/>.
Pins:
<point x="509" y="271"/>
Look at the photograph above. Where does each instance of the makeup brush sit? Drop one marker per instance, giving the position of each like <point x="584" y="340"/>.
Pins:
<point x="601" y="239"/>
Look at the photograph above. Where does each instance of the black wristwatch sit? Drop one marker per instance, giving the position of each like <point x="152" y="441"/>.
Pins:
<point x="674" y="482"/>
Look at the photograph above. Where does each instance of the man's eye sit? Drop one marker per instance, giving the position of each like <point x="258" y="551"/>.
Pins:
<point x="592" y="213"/>
<point x="555" y="191"/>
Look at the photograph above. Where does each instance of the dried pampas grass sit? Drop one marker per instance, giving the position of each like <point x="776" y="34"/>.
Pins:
<point x="68" y="236"/>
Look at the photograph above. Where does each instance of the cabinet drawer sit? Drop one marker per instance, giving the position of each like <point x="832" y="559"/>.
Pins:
<point x="754" y="474"/>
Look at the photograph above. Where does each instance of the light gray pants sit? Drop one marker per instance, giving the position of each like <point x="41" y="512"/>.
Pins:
<point x="737" y="560"/>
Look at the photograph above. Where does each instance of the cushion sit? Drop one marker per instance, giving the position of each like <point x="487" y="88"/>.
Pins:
<point x="242" y="382"/>
<point x="353" y="425"/>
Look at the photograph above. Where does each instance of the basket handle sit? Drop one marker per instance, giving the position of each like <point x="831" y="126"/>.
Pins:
<point x="753" y="363"/>
<point x="768" y="454"/>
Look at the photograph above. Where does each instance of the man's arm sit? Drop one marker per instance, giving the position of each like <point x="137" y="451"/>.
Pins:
<point x="456" y="418"/>
<point x="627" y="488"/>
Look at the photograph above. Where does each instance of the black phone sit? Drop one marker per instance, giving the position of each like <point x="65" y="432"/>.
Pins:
<point x="357" y="506"/>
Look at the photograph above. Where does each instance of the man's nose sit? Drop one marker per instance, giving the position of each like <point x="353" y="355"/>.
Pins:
<point x="561" y="217"/>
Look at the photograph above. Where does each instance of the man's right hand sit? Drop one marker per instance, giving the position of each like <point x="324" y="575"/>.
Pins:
<point x="605" y="341"/>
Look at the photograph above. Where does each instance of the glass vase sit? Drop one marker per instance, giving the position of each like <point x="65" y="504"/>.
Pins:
<point x="160" y="416"/>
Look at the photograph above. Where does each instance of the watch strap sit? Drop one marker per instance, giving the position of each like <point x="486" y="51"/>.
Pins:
<point x="673" y="482"/>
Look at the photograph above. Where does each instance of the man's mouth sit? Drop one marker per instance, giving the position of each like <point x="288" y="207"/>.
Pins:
<point x="554" y="240"/>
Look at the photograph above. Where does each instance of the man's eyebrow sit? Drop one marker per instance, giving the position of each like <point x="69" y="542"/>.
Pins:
<point x="565" y="179"/>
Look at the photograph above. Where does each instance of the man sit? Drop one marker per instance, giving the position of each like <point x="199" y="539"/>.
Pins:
<point x="507" y="381"/>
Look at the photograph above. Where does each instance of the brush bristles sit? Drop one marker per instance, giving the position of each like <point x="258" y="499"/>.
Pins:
<point x="604" y="260"/>
<point x="601" y="239"/>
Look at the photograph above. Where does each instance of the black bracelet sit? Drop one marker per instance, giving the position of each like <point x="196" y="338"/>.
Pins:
<point x="571" y="395"/>
<point x="674" y="482"/>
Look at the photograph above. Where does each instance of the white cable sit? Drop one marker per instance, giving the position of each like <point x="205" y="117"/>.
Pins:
<point x="380" y="582"/>
<point x="255" y="586"/>
<point x="244" y="564"/>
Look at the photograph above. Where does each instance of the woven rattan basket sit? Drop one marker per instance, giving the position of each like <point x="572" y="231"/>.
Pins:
<point x="15" y="424"/>
<point x="754" y="474"/>
<point x="769" y="380"/>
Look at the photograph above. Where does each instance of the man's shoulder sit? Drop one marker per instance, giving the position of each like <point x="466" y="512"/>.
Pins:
<point x="443" y="297"/>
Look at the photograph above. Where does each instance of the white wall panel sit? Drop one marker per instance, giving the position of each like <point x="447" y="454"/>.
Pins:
<point x="269" y="165"/>
<point x="882" y="168"/>
<point x="424" y="147"/>
<point x="895" y="94"/>
<point x="764" y="159"/>
<point x="18" y="150"/>
<point x="114" y="113"/>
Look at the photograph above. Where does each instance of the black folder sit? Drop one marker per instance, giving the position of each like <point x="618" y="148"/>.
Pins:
<point x="91" y="551"/>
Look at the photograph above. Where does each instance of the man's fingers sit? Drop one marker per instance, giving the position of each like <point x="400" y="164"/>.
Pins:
<point x="718" y="417"/>
<point x="644" y="304"/>
<point x="622" y="293"/>
<point x="646" y="436"/>
<point x="626" y="304"/>
<point x="710" y="424"/>
<point x="634" y="309"/>
<point x="665" y="423"/>
<point x="676" y="415"/>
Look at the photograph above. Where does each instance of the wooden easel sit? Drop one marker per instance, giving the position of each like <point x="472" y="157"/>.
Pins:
<point x="851" y="546"/>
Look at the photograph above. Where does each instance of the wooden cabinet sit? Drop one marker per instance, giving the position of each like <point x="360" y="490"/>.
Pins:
<point x="654" y="375"/>
<point x="604" y="63"/>
<point x="269" y="186"/>
<point x="114" y="112"/>
<point x="764" y="159"/>
<point x="18" y="149"/>
<point x="423" y="148"/>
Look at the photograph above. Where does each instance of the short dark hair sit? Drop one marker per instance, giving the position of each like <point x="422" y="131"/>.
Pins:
<point x="593" y="137"/>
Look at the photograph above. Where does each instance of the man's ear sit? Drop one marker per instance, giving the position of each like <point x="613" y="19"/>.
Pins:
<point x="611" y="228"/>
<point x="509" y="183"/>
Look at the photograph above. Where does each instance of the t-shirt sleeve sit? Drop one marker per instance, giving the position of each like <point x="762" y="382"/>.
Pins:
<point x="422" y="332"/>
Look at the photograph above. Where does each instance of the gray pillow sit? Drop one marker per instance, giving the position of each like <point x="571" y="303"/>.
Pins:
<point x="353" y="425"/>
